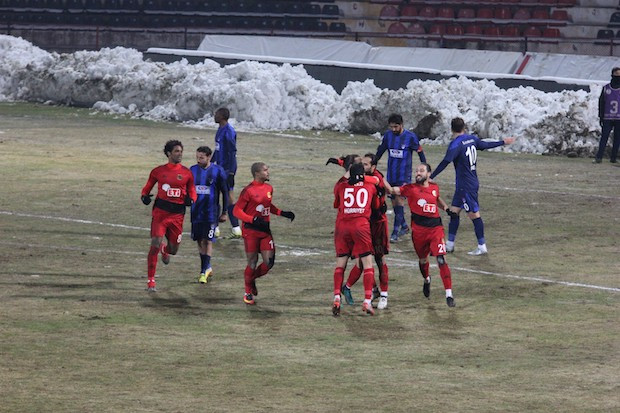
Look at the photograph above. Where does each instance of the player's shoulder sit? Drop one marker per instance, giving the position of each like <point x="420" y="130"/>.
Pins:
<point x="433" y="185"/>
<point x="410" y="134"/>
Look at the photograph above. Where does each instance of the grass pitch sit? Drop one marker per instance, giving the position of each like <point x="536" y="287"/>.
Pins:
<point x="79" y="333"/>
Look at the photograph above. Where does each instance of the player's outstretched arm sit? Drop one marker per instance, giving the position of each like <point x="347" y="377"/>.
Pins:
<point x="288" y="214"/>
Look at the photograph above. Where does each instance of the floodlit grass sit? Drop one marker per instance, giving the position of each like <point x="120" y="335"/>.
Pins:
<point x="79" y="333"/>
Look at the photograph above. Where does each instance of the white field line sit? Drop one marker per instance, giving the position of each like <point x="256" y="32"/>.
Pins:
<point x="295" y="252"/>
<point x="544" y="191"/>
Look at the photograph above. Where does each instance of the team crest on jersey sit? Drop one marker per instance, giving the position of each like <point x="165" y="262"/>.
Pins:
<point x="269" y="195"/>
<point x="179" y="177"/>
<point x="434" y="193"/>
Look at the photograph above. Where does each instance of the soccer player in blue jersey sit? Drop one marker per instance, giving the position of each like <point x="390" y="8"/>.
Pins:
<point x="225" y="155"/>
<point x="210" y="183"/>
<point x="400" y="144"/>
<point x="609" y="117"/>
<point x="462" y="151"/>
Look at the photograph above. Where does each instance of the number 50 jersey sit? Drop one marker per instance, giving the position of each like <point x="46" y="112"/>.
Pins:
<point x="354" y="201"/>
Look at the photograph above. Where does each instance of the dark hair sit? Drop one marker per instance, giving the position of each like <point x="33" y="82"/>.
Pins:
<point x="373" y="158"/>
<point x="349" y="160"/>
<point x="356" y="173"/>
<point x="256" y="166"/>
<point x="457" y="125"/>
<point x="428" y="167"/>
<point x="395" y="118"/>
<point x="224" y="112"/>
<point x="205" y="149"/>
<point x="614" y="69"/>
<point x="169" y="146"/>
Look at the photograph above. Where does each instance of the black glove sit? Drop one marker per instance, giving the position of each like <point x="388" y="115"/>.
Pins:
<point x="260" y="224"/>
<point x="451" y="213"/>
<point x="332" y="160"/>
<point x="230" y="181"/>
<point x="383" y="208"/>
<point x="146" y="199"/>
<point x="288" y="214"/>
<point x="380" y="191"/>
<point x="188" y="200"/>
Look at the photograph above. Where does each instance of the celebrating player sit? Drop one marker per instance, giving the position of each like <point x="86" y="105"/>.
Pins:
<point x="463" y="152"/>
<point x="254" y="207"/>
<point x="354" y="199"/>
<point x="175" y="191"/>
<point x="400" y="144"/>
<point x="210" y="182"/>
<point x="426" y="227"/>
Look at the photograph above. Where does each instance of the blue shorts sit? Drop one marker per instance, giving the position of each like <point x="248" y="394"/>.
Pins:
<point x="203" y="230"/>
<point x="466" y="200"/>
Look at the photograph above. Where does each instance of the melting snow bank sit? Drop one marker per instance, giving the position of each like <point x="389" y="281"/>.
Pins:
<point x="265" y="96"/>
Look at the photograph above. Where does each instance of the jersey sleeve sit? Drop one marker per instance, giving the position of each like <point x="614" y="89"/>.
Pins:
<point x="381" y="148"/>
<point x="223" y="187"/>
<point x="242" y="202"/>
<point x="190" y="188"/>
<point x="230" y="154"/>
<point x="337" y="195"/>
<point x="150" y="183"/>
<point x="482" y="145"/>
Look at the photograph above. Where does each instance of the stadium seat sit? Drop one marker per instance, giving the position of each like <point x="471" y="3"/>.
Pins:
<point x="93" y="5"/>
<point x="618" y="34"/>
<point x="169" y="5"/>
<point x="397" y="28"/>
<point x="330" y="9"/>
<point x="473" y="30"/>
<point x="54" y="4"/>
<point x="466" y="14"/>
<point x="278" y="8"/>
<point x="605" y="34"/>
<point x="437" y="29"/>
<point x="132" y="5"/>
<point x="502" y="13"/>
<point x="522" y="14"/>
<point x="549" y="2"/>
<point x="389" y="11"/>
<point x="540" y="14"/>
<point x="293" y="8"/>
<point x="454" y="30"/>
<point x="416" y="28"/>
<point x="427" y="12"/>
<point x="510" y="31"/>
<point x="561" y="15"/>
<point x="322" y="26"/>
<point x="552" y="32"/>
<point x="314" y="9"/>
<point x="337" y="27"/>
<point x="485" y="13"/>
<point x="445" y="13"/>
<point x="74" y="5"/>
<point x="492" y="31"/>
<point x="615" y="17"/>
<point x="408" y="11"/>
<point x="263" y="7"/>
<point x="532" y="31"/>
<point x="265" y="24"/>
<point x="150" y="5"/>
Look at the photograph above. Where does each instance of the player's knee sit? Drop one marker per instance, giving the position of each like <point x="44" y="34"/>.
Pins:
<point x="441" y="260"/>
<point x="271" y="262"/>
<point x="423" y="260"/>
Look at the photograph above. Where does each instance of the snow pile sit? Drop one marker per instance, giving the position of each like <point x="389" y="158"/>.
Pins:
<point x="265" y="96"/>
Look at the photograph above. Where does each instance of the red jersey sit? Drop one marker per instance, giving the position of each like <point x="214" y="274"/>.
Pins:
<point x="174" y="182"/>
<point x="378" y="214"/>
<point x="354" y="201"/>
<point x="423" y="202"/>
<point x="255" y="201"/>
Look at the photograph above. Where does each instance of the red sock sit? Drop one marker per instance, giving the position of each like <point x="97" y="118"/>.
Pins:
<point x="248" y="276"/>
<point x="260" y="270"/>
<point x="424" y="268"/>
<point x="338" y="278"/>
<point x="369" y="280"/>
<point x="151" y="263"/>
<point x="444" y="272"/>
<point x="383" y="278"/>
<point x="354" y="275"/>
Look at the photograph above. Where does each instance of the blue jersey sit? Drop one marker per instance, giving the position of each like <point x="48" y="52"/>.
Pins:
<point x="210" y="182"/>
<point x="462" y="151"/>
<point x="225" y="154"/>
<point x="400" y="151"/>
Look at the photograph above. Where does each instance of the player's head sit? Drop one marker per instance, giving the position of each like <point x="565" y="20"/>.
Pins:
<point x="173" y="149"/>
<point x="615" y="71"/>
<point x="370" y="163"/>
<point x="356" y="173"/>
<point x="222" y="114"/>
<point x="260" y="171"/>
<point x="422" y="173"/>
<point x="203" y="156"/>
<point x="395" y="123"/>
<point x="350" y="160"/>
<point x="457" y="125"/>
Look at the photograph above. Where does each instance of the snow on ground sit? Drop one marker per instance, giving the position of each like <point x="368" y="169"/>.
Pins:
<point x="265" y="96"/>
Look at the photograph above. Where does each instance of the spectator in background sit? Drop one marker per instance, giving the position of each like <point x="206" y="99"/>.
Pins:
<point x="609" y="115"/>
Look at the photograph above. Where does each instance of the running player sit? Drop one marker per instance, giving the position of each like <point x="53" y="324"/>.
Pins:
<point x="400" y="144"/>
<point x="426" y="227"/>
<point x="175" y="191"/>
<point x="254" y="207"/>
<point x="210" y="182"/>
<point x="354" y="198"/>
<point x="462" y="151"/>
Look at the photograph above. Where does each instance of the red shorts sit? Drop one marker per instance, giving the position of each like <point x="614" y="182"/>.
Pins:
<point x="352" y="238"/>
<point x="257" y="241"/>
<point x="428" y="239"/>
<point x="167" y="224"/>
<point x="380" y="240"/>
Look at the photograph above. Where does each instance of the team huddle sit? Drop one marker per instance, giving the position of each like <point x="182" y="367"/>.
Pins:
<point x="361" y="228"/>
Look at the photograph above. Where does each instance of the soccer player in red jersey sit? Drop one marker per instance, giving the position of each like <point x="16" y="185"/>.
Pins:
<point x="175" y="191"/>
<point x="254" y="207"/>
<point x="380" y="239"/>
<point x="427" y="230"/>
<point x="354" y="198"/>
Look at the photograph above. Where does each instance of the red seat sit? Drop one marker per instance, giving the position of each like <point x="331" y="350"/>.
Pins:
<point x="427" y="12"/>
<point x="409" y="11"/>
<point x="438" y="29"/>
<point x="485" y="13"/>
<point x="551" y="32"/>
<point x="511" y="31"/>
<point x="473" y="29"/>
<point x="561" y="15"/>
<point x="540" y="14"/>
<point x="416" y="28"/>
<point x="389" y="11"/>
<point x="502" y="13"/>
<point x="466" y="14"/>
<point x="522" y="14"/>
<point x="397" y="28"/>
<point x="446" y="13"/>
<point x="492" y="31"/>
<point x="550" y="2"/>
<point x="532" y="31"/>
<point x="454" y="30"/>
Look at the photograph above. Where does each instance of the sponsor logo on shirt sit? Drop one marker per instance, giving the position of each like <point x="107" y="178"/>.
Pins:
<point x="354" y="210"/>
<point x="203" y="190"/>
<point x="174" y="192"/>
<point x="426" y="207"/>
<point x="263" y="211"/>
<point x="467" y="142"/>
<point x="396" y="153"/>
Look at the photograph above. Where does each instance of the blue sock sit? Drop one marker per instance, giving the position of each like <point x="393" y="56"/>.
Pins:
<point x="399" y="217"/>
<point x="205" y="262"/>
<point x="479" y="230"/>
<point x="233" y="219"/>
<point x="453" y="227"/>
